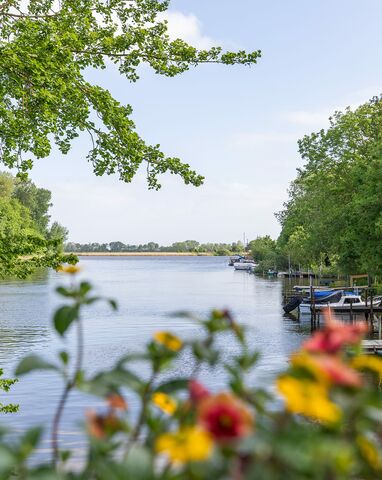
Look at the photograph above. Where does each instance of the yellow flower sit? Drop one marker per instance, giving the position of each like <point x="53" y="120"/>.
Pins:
<point x="190" y="444"/>
<point x="169" y="340"/>
<point x="71" y="269"/>
<point x="164" y="402"/>
<point x="303" y="360"/>
<point x="368" y="362"/>
<point x="308" y="398"/>
<point x="369" y="452"/>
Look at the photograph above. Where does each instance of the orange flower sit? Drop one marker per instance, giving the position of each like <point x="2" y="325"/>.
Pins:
<point x="334" y="336"/>
<point x="101" y="426"/>
<point x="116" y="402"/>
<point x="225" y="417"/>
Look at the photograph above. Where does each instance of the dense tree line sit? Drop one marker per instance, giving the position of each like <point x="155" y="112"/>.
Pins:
<point x="27" y="240"/>
<point x="188" y="246"/>
<point x="333" y="217"/>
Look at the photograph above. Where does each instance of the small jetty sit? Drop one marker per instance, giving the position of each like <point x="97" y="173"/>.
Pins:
<point x="372" y="346"/>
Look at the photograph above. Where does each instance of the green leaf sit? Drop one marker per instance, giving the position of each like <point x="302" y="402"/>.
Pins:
<point x="64" y="356"/>
<point x="7" y="461"/>
<point x="139" y="464"/>
<point x="29" y="442"/>
<point x="173" y="385"/>
<point x="33" y="362"/>
<point x="32" y="436"/>
<point x="85" y="287"/>
<point x="65" y="292"/>
<point x="133" y="357"/>
<point x="113" y="304"/>
<point x="106" y="382"/>
<point x="64" y="317"/>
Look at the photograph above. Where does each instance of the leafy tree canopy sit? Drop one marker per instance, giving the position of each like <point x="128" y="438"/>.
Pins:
<point x="45" y="48"/>
<point x="26" y="242"/>
<point x="334" y="211"/>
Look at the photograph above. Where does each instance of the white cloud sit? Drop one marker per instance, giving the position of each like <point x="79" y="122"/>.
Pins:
<point x="187" y="27"/>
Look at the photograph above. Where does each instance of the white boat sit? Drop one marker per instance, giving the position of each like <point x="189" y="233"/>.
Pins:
<point x="234" y="259"/>
<point x="346" y="303"/>
<point x="245" y="265"/>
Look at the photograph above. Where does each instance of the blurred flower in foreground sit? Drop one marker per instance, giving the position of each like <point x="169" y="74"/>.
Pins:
<point x="308" y="398"/>
<point x="191" y="444"/>
<point x="116" y="401"/>
<point x="327" y="369"/>
<point x="101" y="426"/>
<point x="225" y="416"/>
<point x="197" y="391"/>
<point x="71" y="269"/>
<point x="335" y="336"/>
<point x="172" y="342"/>
<point x="164" y="402"/>
<point x="370" y="452"/>
<point x="368" y="362"/>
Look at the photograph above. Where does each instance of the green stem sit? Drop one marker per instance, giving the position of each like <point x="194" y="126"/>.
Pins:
<point x="65" y="394"/>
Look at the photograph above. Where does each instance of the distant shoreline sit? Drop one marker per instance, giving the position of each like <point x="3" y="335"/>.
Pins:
<point x="140" y="254"/>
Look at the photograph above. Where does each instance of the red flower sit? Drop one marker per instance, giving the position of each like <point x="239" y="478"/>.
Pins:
<point x="338" y="372"/>
<point x="334" y="336"/>
<point x="197" y="391"/>
<point x="225" y="417"/>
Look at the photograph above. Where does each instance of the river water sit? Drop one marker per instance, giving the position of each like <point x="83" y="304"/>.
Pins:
<point x="148" y="290"/>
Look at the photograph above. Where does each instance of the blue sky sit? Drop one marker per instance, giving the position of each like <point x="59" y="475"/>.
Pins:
<point x="238" y="126"/>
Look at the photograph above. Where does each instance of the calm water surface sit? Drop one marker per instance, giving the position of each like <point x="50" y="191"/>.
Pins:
<point x="147" y="289"/>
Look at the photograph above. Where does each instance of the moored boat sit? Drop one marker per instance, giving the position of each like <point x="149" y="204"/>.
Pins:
<point x="234" y="259"/>
<point x="350" y="302"/>
<point x="245" y="265"/>
<point x="346" y="303"/>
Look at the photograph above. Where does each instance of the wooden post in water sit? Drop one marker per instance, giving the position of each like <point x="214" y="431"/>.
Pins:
<point x="312" y="303"/>
<point x="371" y="304"/>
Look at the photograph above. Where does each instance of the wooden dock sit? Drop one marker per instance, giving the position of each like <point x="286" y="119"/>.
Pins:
<point x="372" y="346"/>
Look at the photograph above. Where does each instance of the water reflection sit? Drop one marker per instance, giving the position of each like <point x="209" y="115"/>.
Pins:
<point x="147" y="290"/>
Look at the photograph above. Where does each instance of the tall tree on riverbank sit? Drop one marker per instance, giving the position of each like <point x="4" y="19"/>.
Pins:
<point x="335" y="204"/>
<point x="26" y="242"/>
<point x="45" y="48"/>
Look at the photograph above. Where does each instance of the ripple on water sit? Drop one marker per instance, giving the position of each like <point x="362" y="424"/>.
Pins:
<point x="147" y="290"/>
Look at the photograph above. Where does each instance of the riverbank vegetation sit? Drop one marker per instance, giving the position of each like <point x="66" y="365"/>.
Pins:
<point x="333" y="217"/>
<point x="188" y="246"/>
<point x="27" y="239"/>
<point x="332" y="222"/>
